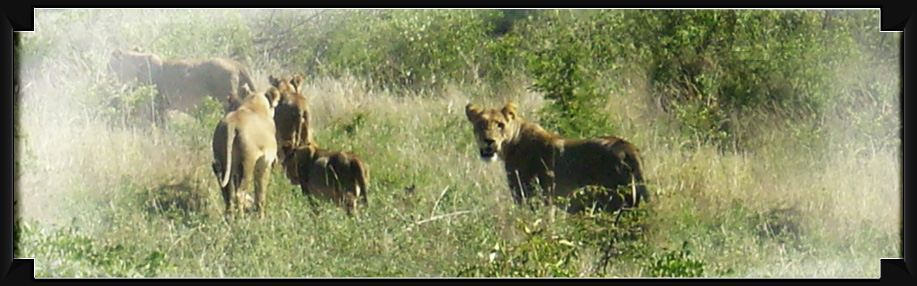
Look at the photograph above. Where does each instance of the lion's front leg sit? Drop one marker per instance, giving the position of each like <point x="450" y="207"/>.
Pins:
<point x="548" y="187"/>
<point x="516" y="187"/>
<point x="307" y="194"/>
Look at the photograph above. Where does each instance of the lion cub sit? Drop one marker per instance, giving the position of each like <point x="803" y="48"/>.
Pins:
<point x="534" y="157"/>
<point x="339" y="176"/>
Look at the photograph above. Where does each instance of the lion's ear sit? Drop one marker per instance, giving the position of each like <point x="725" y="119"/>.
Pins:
<point x="472" y="111"/>
<point x="273" y="96"/>
<point x="273" y="80"/>
<point x="246" y="89"/>
<point x="510" y="110"/>
<point x="137" y="49"/>
<point x="232" y="103"/>
<point x="297" y="82"/>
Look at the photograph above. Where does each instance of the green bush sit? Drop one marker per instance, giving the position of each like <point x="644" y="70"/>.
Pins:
<point x="676" y="263"/>
<point x="711" y="64"/>
<point x="539" y="255"/>
<point x="83" y="256"/>
<point x="560" y="67"/>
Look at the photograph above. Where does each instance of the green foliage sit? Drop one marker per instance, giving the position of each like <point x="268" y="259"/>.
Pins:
<point x="197" y="129"/>
<point x="614" y="237"/>
<point x="355" y="123"/>
<point x="78" y="255"/>
<point x="676" y="263"/>
<point x="560" y="69"/>
<point x="711" y="64"/>
<point x="189" y="37"/>
<point x="180" y="199"/>
<point x="128" y="106"/>
<point x="412" y="49"/>
<point x="539" y="255"/>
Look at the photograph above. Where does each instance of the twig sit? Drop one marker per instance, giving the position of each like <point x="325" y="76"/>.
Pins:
<point x="607" y="250"/>
<point x="436" y="218"/>
<point x="433" y="211"/>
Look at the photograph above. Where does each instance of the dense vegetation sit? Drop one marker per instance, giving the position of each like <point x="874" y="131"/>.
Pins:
<point x="771" y="137"/>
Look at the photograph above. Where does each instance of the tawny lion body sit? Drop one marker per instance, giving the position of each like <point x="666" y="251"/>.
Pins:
<point x="338" y="176"/>
<point x="535" y="157"/>
<point x="183" y="83"/>
<point x="292" y="114"/>
<point x="245" y="149"/>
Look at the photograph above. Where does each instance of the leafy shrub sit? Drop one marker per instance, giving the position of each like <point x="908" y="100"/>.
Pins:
<point x="539" y="255"/>
<point x="561" y="74"/>
<point x="82" y="255"/>
<point x="676" y="263"/>
<point x="197" y="129"/>
<point x="711" y="64"/>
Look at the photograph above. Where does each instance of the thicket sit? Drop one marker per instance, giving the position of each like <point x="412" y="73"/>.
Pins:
<point x="708" y="69"/>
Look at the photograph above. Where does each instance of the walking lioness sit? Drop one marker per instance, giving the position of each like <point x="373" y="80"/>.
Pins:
<point x="341" y="177"/>
<point x="182" y="84"/>
<point x="245" y="148"/>
<point x="534" y="157"/>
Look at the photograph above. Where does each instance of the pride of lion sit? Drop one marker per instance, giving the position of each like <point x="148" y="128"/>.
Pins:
<point x="263" y="128"/>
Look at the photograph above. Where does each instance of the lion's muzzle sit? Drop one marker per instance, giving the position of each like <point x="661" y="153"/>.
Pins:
<point x="488" y="151"/>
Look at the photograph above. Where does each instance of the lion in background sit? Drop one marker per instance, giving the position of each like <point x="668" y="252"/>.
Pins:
<point x="534" y="157"/>
<point x="182" y="84"/>
<point x="292" y="115"/>
<point x="245" y="149"/>
<point x="338" y="176"/>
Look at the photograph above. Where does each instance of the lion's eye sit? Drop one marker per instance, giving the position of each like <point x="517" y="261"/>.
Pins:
<point x="500" y="124"/>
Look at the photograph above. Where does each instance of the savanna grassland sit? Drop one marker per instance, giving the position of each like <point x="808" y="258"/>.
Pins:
<point x="771" y="142"/>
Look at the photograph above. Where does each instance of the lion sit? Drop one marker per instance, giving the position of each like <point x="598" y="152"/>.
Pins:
<point x="245" y="149"/>
<point x="339" y="176"/>
<point x="292" y="116"/>
<point x="182" y="83"/>
<point x="534" y="157"/>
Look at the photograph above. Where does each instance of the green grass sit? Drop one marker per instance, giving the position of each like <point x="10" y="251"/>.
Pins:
<point x="100" y="199"/>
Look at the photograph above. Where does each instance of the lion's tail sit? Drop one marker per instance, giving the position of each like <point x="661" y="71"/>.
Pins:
<point x="361" y="174"/>
<point x="230" y="137"/>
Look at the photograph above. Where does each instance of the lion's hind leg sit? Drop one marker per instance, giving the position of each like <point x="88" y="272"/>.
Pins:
<point x="248" y="173"/>
<point x="262" y="174"/>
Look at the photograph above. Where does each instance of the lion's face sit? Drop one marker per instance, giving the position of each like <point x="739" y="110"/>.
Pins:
<point x="492" y="128"/>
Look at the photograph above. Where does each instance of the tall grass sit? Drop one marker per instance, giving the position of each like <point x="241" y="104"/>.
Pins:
<point x="101" y="199"/>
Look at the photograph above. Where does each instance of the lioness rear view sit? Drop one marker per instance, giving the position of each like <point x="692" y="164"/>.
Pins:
<point x="245" y="149"/>
<point x="182" y="83"/>
<point x="533" y="156"/>
<point x="341" y="177"/>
